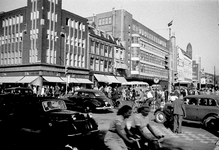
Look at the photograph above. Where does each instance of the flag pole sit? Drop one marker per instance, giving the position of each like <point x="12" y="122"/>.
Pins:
<point x="169" y="70"/>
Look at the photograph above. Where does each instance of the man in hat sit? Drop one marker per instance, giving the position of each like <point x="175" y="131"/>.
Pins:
<point x="179" y="112"/>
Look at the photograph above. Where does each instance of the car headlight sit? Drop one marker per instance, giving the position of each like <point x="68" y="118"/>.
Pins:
<point x="73" y="117"/>
<point x="89" y="115"/>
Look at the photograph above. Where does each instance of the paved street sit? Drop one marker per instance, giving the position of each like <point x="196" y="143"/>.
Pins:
<point x="192" y="138"/>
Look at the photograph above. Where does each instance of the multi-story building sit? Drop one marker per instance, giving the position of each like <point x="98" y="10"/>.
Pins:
<point x="184" y="65"/>
<point x="145" y="49"/>
<point x="106" y="58"/>
<point x="40" y="41"/>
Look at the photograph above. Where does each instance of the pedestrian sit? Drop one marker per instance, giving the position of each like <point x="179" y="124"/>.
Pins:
<point x="179" y="112"/>
<point x="115" y="137"/>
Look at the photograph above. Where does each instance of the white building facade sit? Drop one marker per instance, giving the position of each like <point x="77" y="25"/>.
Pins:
<point x="184" y="66"/>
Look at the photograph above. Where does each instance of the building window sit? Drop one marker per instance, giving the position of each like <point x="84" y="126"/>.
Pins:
<point x="105" y="65"/>
<point x="110" y="20"/>
<point x="99" y="23"/>
<point x="101" y="65"/>
<point x="92" y="63"/>
<point x="97" y="65"/>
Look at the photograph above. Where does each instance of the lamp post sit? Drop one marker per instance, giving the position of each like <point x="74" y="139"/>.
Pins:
<point x="63" y="34"/>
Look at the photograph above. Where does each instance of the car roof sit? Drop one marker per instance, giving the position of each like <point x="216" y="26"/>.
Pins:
<point x="87" y="90"/>
<point x="18" y="88"/>
<point x="203" y="96"/>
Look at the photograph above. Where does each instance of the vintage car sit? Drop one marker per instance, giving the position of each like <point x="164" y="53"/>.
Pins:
<point x="88" y="100"/>
<point x="44" y="123"/>
<point x="199" y="108"/>
<point x="22" y="91"/>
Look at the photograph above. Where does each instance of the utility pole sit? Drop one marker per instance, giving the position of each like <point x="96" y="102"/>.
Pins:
<point x="214" y="78"/>
<point x="170" y="60"/>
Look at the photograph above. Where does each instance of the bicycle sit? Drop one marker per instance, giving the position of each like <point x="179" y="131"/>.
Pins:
<point x="153" y="144"/>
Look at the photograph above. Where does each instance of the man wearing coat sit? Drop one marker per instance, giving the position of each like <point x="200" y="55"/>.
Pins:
<point x="179" y="112"/>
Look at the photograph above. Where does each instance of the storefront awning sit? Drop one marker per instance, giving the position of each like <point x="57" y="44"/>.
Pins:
<point x="101" y="78"/>
<point x="71" y="80"/>
<point x="10" y="79"/>
<point x="28" y="79"/>
<point x="84" y="81"/>
<point x="112" y="79"/>
<point x="53" y="79"/>
<point x="121" y="79"/>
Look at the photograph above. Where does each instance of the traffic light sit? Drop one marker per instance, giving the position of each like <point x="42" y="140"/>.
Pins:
<point x="66" y="70"/>
<point x="166" y="61"/>
<point x="175" y="77"/>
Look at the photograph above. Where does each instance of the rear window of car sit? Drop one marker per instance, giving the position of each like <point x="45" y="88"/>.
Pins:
<point x="207" y="102"/>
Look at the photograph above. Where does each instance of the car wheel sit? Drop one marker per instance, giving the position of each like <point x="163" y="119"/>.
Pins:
<point x="69" y="147"/>
<point x="210" y="123"/>
<point x="160" y="117"/>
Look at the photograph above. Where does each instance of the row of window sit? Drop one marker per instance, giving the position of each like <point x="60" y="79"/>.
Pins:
<point x="34" y="15"/>
<point x="151" y="48"/>
<point x="105" y="21"/>
<point x="75" y="24"/>
<point x="75" y="60"/>
<point x="144" y="33"/>
<point x="119" y="54"/>
<point x="101" y="49"/>
<point x="145" y="56"/>
<point x="18" y="19"/>
<point x="33" y="55"/>
<point x="149" y="69"/>
<point x="100" y="65"/>
<point x="11" y="58"/>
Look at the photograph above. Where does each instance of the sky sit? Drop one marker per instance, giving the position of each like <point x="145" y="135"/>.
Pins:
<point x="194" y="21"/>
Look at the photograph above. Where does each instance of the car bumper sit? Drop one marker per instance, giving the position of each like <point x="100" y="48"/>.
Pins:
<point x="104" y="108"/>
<point x="93" y="132"/>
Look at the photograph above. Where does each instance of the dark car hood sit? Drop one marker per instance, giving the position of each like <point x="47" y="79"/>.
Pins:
<point x="63" y="112"/>
<point x="103" y="99"/>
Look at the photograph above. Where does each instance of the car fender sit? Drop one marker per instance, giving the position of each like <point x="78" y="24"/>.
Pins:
<point x="210" y="114"/>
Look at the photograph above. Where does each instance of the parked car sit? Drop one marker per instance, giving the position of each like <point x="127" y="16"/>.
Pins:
<point x="199" y="108"/>
<point x="44" y="123"/>
<point x="21" y="91"/>
<point x="88" y="100"/>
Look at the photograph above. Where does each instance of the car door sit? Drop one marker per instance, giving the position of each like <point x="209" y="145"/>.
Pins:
<point x="206" y="106"/>
<point x="191" y="105"/>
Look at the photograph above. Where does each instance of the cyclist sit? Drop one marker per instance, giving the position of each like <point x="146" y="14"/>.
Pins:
<point x="141" y="126"/>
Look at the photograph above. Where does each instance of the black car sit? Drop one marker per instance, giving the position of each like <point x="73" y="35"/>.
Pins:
<point x="21" y="91"/>
<point x="43" y="123"/>
<point x="88" y="99"/>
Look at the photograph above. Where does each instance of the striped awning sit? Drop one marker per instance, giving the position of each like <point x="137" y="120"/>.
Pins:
<point x="53" y="79"/>
<point x="121" y="79"/>
<point x="13" y="79"/>
<point x="71" y="80"/>
<point x="112" y="79"/>
<point x="28" y="79"/>
<point x="84" y="81"/>
<point x="101" y="78"/>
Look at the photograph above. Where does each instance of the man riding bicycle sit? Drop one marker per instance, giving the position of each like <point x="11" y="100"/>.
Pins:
<point x="141" y="126"/>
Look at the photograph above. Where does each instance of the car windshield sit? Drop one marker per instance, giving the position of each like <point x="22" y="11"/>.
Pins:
<point x="53" y="104"/>
<point x="99" y="94"/>
<point x="81" y="94"/>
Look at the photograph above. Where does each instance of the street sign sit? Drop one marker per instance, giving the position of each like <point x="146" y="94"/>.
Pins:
<point x="156" y="80"/>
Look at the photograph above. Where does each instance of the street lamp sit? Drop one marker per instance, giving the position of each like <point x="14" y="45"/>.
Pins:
<point x="63" y="34"/>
